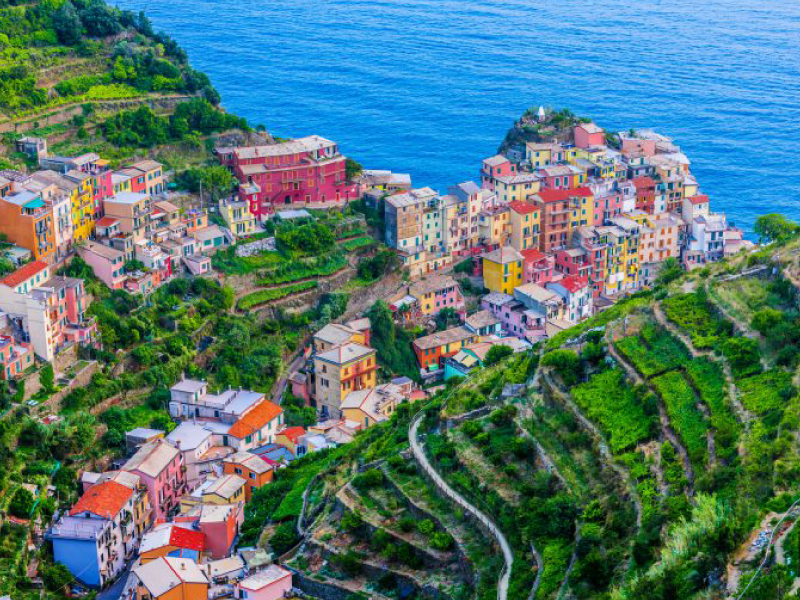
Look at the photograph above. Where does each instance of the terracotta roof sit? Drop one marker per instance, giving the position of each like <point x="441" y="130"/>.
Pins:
<point x="187" y="538"/>
<point x="699" y="199"/>
<point x="441" y="338"/>
<point x="292" y="433"/>
<point x="532" y="254"/>
<point x="522" y="208"/>
<point x="581" y="191"/>
<point x="643" y="181"/>
<point x="573" y="283"/>
<point x="254" y="419"/>
<point x="106" y="221"/>
<point x="103" y="499"/>
<point x="24" y="273"/>
<point x="551" y="195"/>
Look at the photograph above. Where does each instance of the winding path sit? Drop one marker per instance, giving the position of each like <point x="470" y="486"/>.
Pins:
<point x="419" y="455"/>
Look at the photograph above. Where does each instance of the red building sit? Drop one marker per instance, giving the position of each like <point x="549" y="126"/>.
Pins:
<point x="302" y="171"/>
<point x="645" y="194"/>
<point x="537" y="267"/>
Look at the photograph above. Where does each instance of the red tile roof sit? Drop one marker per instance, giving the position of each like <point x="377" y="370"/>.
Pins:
<point x="187" y="538"/>
<point x="522" y="208"/>
<point x="643" y="181"/>
<point x="532" y="254"/>
<point x="699" y="199"/>
<point x="574" y="283"/>
<point x="552" y="195"/>
<point x="24" y="273"/>
<point x="254" y="419"/>
<point x="293" y="433"/>
<point x="103" y="499"/>
<point x="106" y="221"/>
<point x="583" y="192"/>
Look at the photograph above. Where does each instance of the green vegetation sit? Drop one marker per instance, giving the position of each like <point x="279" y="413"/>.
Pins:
<point x="654" y="351"/>
<point x="689" y="422"/>
<point x="708" y="379"/>
<point x="767" y="392"/>
<point x="261" y="297"/>
<point x="627" y="415"/>
<point x="391" y="342"/>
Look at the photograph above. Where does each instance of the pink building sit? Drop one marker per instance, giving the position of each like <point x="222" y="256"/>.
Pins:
<point x="537" y="267"/>
<point x="573" y="261"/>
<point x="588" y="135"/>
<point x="103" y="188"/>
<point x="272" y="583"/>
<point x="302" y="171"/>
<point x="15" y="357"/>
<point x="107" y="263"/>
<point x="160" y="468"/>
<point x="494" y="167"/>
<point x="515" y="318"/>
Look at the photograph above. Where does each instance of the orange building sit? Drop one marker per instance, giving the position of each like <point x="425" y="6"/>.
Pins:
<point x="27" y="221"/>
<point x="170" y="578"/>
<point x="431" y="349"/>
<point x="250" y="467"/>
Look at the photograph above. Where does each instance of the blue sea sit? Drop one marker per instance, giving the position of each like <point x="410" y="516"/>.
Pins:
<point x="430" y="87"/>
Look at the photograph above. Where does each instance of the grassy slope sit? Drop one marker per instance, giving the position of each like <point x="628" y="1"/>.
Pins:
<point x="63" y="91"/>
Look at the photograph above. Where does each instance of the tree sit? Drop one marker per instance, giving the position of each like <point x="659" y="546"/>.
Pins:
<point x="775" y="228"/>
<point x="47" y="378"/>
<point x="67" y="24"/>
<point x="566" y="363"/>
<point x="669" y="271"/>
<point x="447" y="316"/>
<point x="21" y="504"/>
<point x="100" y="20"/>
<point x="352" y="168"/>
<point x="497" y="353"/>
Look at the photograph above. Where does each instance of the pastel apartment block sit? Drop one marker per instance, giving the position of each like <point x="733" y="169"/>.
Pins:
<point x="502" y="270"/>
<point x="15" y="357"/>
<point x="169" y="539"/>
<point x="48" y="311"/>
<point x="239" y="419"/>
<point x="431" y="350"/>
<point x="160" y="468"/>
<point x="272" y="583"/>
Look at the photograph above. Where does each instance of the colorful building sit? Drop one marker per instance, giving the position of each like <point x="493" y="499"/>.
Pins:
<point x="432" y="349"/>
<point x="26" y="220"/>
<point x="97" y="537"/>
<point x="308" y="170"/>
<point x="170" y="578"/>
<point x="253" y="469"/>
<point x="524" y="224"/>
<point x="341" y="370"/>
<point x="160" y="468"/>
<point x="272" y="583"/>
<point x="502" y="270"/>
<point x="238" y="217"/>
<point x="169" y="539"/>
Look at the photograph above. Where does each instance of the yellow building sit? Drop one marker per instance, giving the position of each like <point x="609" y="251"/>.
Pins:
<point x="228" y="489"/>
<point x="502" y="270"/>
<point x="515" y="188"/>
<point x="524" y="225"/>
<point x="153" y="175"/>
<point x="435" y="293"/>
<point x="367" y="407"/>
<point x="341" y="370"/>
<point x="237" y="217"/>
<point x="82" y="202"/>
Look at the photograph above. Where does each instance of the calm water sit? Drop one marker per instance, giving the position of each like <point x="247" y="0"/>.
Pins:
<point x="431" y="86"/>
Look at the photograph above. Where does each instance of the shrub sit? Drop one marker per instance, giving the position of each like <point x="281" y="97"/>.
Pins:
<point x="566" y="363"/>
<point x="426" y="527"/>
<point x="368" y="479"/>
<point x="21" y="504"/>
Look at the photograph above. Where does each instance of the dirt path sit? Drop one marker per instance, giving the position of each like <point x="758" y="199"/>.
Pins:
<point x="439" y="482"/>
